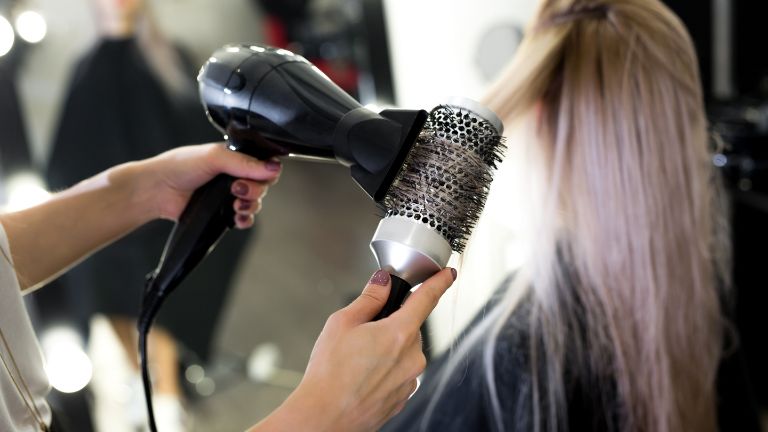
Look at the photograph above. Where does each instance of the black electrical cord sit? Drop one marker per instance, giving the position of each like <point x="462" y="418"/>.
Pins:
<point x="208" y="215"/>
<point x="146" y="379"/>
<point x="153" y="300"/>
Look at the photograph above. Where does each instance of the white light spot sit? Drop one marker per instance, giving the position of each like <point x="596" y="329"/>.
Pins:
<point x="319" y="72"/>
<point x="263" y="361"/>
<point x="205" y="387"/>
<point x="194" y="374"/>
<point x="31" y="26"/>
<point x="6" y="36"/>
<point x="68" y="367"/>
<point x="720" y="160"/>
<point x="25" y="190"/>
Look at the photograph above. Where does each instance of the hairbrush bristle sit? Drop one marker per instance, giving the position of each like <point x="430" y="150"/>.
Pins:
<point x="445" y="179"/>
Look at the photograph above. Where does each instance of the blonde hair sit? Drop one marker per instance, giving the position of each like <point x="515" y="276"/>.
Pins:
<point x="631" y="250"/>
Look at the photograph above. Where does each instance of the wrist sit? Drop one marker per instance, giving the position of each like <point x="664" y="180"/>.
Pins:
<point x="135" y="190"/>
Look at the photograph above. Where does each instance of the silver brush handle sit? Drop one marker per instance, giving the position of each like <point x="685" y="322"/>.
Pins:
<point x="409" y="249"/>
<point x="411" y="252"/>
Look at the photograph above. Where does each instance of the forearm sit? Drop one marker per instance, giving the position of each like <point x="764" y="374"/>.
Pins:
<point x="48" y="239"/>
<point x="299" y="412"/>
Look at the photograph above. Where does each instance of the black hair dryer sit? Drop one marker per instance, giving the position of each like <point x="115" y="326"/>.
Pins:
<point x="271" y="102"/>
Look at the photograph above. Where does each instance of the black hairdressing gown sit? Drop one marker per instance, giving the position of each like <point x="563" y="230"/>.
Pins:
<point x="465" y="404"/>
<point x="117" y="111"/>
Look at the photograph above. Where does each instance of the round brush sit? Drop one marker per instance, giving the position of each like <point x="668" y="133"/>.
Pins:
<point x="438" y="195"/>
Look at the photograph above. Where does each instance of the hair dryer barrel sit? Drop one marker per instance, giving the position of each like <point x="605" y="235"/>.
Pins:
<point x="272" y="102"/>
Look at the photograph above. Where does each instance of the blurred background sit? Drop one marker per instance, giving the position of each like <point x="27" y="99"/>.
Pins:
<point x="89" y="83"/>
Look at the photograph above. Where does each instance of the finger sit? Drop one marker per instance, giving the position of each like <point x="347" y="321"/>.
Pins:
<point x="407" y="390"/>
<point x="245" y="207"/>
<point x="398" y="407"/>
<point x="241" y="165"/>
<point x="372" y="299"/>
<point x="248" y="189"/>
<point x="400" y="395"/>
<point x="417" y="362"/>
<point x="244" y="221"/>
<point x="421" y="302"/>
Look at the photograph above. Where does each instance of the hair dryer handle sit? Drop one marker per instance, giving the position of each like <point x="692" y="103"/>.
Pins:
<point x="208" y="215"/>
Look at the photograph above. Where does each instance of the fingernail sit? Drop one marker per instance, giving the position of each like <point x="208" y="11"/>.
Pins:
<point x="244" y="205"/>
<point x="243" y="219"/>
<point x="381" y="277"/>
<point x="273" y="165"/>
<point x="454" y="273"/>
<point x="240" y="189"/>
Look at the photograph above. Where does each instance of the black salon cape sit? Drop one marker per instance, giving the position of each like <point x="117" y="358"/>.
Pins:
<point x="117" y="111"/>
<point x="465" y="405"/>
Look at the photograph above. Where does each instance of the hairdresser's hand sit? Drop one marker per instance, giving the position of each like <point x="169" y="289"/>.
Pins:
<point x="174" y="175"/>
<point x="361" y="373"/>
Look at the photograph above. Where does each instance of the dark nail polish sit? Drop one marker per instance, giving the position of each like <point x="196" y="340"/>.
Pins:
<point x="454" y="273"/>
<point x="243" y="219"/>
<point x="244" y="205"/>
<point x="273" y="165"/>
<point x="240" y="189"/>
<point x="381" y="277"/>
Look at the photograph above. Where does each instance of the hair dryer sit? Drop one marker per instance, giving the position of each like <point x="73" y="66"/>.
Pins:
<point x="270" y="102"/>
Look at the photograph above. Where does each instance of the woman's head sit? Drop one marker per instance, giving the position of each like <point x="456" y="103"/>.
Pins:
<point x="118" y="18"/>
<point x="629" y="210"/>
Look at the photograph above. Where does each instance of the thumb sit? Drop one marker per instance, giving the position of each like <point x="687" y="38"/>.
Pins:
<point x="373" y="298"/>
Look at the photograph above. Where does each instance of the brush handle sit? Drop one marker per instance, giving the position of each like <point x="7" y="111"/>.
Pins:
<point x="397" y="295"/>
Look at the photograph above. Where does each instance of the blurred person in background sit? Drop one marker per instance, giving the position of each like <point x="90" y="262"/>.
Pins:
<point x="617" y="319"/>
<point x="133" y="95"/>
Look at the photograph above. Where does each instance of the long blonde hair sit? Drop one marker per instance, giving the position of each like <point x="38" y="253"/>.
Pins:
<point x="631" y="251"/>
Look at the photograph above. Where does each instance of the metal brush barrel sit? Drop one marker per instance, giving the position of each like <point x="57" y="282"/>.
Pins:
<point x="438" y="195"/>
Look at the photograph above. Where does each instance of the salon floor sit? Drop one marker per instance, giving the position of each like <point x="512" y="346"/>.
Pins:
<point x="309" y="257"/>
